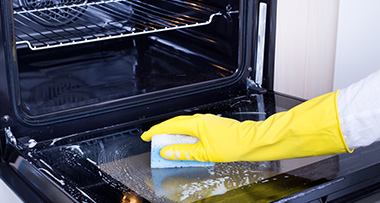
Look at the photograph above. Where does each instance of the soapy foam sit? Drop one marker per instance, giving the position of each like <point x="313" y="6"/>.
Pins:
<point x="162" y="140"/>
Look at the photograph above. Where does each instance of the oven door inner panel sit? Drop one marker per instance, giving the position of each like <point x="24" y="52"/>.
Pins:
<point x="117" y="162"/>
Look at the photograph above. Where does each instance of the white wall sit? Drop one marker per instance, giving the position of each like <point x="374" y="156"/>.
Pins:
<point x="305" y="46"/>
<point x="358" y="41"/>
<point x="325" y="45"/>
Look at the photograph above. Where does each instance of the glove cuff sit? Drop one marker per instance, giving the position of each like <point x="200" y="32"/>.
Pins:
<point x="339" y="125"/>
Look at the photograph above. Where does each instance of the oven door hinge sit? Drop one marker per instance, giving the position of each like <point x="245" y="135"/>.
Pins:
<point x="254" y="87"/>
<point x="6" y="139"/>
<point x="9" y="137"/>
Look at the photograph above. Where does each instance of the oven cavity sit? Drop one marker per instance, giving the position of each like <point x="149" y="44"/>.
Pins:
<point x="138" y="47"/>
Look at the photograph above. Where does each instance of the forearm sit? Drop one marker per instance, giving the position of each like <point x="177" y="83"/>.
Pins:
<point x="359" y="111"/>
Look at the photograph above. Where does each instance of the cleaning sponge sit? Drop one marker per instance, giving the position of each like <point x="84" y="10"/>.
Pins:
<point x="162" y="140"/>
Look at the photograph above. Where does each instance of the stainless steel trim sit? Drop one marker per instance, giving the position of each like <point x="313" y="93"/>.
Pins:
<point x="261" y="44"/>
<point x="261" y="106"/>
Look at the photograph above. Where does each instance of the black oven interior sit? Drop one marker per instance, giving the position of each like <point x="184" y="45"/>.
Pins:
<point x="78" y="53"/>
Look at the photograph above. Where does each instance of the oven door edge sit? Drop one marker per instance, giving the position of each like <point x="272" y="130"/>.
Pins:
<point x="28" y="182"/>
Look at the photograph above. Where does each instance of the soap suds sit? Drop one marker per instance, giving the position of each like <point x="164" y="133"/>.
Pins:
<point x="76" y="148"/>
<point x="162" y="140"/>
<point x="168" y="153"/>
<point x="177" y="155"/>
<point x="187" y="154"/>
<point x="91" y="161"/>
<point x="54" y="141"/>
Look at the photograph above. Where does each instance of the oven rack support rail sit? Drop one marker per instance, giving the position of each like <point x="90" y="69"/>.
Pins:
<point x="59" y="26"/>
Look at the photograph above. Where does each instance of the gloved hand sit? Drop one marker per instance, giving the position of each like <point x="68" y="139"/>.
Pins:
<point x="309" y="129"/>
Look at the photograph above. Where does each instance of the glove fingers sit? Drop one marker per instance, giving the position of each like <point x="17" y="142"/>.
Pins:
<point x="185" y="125"/>
<point x="185" y="152"/>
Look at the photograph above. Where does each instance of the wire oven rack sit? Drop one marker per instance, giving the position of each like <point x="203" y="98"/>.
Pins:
<point x="70" y="24"/>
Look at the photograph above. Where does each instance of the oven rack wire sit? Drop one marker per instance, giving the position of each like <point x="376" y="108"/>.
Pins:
<point x="58" y="26"/>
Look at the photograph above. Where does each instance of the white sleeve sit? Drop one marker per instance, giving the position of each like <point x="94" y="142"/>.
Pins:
<point x="359" y="111"/>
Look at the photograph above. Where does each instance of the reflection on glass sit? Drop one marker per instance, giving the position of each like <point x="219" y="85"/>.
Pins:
<point x="185" y="184"/>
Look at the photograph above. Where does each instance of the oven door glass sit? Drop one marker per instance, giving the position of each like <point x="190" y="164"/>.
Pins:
<point x="99" y="165"/>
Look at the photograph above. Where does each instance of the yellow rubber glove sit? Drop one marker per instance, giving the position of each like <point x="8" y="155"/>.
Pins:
<point x="309" y="129"/>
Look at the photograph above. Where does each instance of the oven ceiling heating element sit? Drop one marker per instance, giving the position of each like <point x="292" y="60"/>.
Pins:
<point x="81" y="21"/>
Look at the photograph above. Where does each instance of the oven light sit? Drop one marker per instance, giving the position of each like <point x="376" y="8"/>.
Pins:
<point x="131" y="198"/>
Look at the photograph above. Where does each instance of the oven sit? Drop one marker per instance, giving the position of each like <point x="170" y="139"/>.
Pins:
<point x="81" y="80"/>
